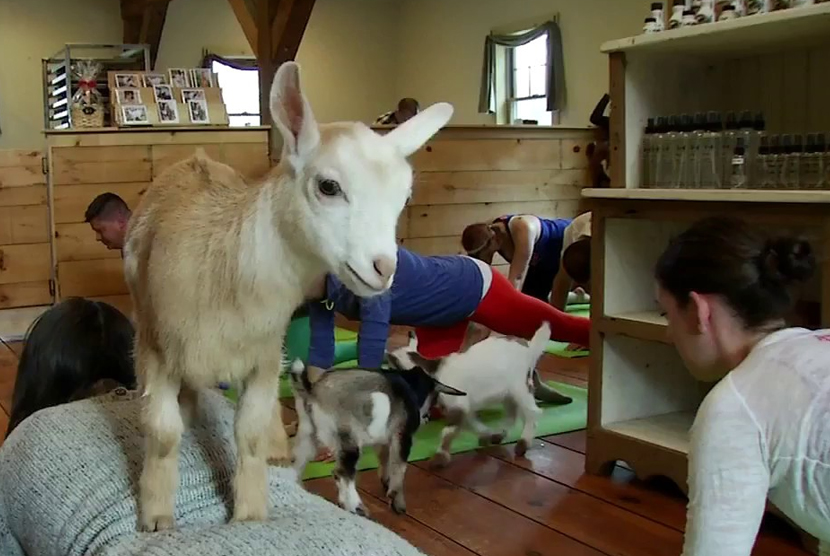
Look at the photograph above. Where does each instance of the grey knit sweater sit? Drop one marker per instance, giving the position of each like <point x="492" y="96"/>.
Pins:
<point x="68" y="480"/>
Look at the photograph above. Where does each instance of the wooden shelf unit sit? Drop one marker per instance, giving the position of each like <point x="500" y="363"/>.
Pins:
<point x="642" y="401"/>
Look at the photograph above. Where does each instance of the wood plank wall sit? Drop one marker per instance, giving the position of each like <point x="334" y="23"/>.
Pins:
<point x="81" y="171"/>
<point x="25" y="262"/>
<point x="461" y="179"/>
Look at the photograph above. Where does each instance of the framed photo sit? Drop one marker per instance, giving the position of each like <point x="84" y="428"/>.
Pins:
<point x="198" y="111"/>
<point x="168" y="112"/>
<point x="179" y="78"/>
<point x="192" y="94"/>
<point x="153" y="79"/>
<point x="202" y="77"/>
<point x="127" y="81"/>
<point x="128" y="96"/>
<point x="163" y="92"/>
<point x="134" y="114"/>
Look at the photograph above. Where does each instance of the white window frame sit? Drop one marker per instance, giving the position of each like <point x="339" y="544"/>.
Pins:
<point x="256" y="114"/>
<point x="511" y="99"/>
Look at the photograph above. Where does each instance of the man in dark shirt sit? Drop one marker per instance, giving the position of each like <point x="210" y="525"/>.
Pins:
<point x="108" y="216"/>
<point x="407" y="108"/>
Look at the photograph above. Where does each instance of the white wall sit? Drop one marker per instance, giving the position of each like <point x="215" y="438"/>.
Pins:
<point x="31" y="30"/>
<point x="347" y="54"/>
<point x="442" y="46"/>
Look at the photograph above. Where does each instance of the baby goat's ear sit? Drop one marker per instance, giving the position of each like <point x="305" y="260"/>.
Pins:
<point x="291" y="112"/>
<point x="430" y="366"/>
<point x="413" y="341"/>
<point x="442" y="388"/>
<point x="413" y="133"/>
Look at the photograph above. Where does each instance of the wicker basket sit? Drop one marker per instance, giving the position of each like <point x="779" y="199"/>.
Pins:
<point x="87" y="115"/>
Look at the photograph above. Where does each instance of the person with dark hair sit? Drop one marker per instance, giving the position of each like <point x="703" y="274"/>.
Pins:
<point x="108" y="216"/>
<point x="536" y="248"/>
<point x="764" y="430"/>
<point x="75" y="349"/>
<point x="407" y="108"/>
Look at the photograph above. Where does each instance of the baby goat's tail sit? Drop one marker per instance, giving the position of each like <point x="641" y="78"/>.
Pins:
<point x="539" y="342"/>
<point x="299" y="377"/>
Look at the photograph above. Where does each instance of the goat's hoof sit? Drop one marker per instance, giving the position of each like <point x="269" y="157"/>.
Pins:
<point x="362" y="511"/>
<point x="521" y="447"/>
<point x="157" y="523"/>
<point x="398" y="505"/>
<point x="248" y="513"/>
<point x="281" y="462"/>
<point x="384" y="482"/>
<point x="492" y="439"/>
<point x="441" y="459"/>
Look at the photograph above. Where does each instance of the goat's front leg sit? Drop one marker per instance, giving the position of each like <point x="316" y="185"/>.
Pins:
<point x="454" y="418"/>
<point x="304" y="446"/>
<point x="279" y="447"/>
<point x="399" y="449"/>
<point x="163" y="428"/>
<point x="348" y="454"/>
<point x="252" y="427"/>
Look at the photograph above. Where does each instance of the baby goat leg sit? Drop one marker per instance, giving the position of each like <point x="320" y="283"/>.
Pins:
<point x="348" y="453"/>
<point x="398" y="455"/>
<point x="252" y="427"/>
<point x="383" y="469"/>
<point x="163" y="428"/>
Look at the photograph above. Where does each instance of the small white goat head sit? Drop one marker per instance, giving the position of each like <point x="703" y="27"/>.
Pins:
<point x="355" y="182"/>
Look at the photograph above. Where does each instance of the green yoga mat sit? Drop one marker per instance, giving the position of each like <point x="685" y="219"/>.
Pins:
<point x="555" y="419"/>
<point x="560" y="349"/>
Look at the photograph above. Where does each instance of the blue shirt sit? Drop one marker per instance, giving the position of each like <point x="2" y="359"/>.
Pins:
<point x="546" y="256"/>
<point x="433" y="291"/>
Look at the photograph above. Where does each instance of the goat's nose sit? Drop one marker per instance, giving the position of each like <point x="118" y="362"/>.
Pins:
<point x="385" y="267"/>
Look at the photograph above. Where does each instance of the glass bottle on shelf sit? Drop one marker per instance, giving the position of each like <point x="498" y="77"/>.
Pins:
<point x="658" y="150"/>
<point x="712" y="170"/>
<point x="794" y="163"/>
<point x="730" y="134"/>
<point x="824" y="162"/>
<point x="646" y="155"/>
<point x="774" y="162"/>
<point x="810" y="162"/>
<point x="683" y="151"/>
<point x="695" y="174"/>
<point x="737" y="167"/>
<point x="671" y="152"/>
<point x="784" y="161"/>
<point x="761" y="178"/>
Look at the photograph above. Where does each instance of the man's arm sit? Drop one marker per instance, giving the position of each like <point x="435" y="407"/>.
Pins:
<point x="559" y="290"/>
<point x="321" y="344"/>
<point x="375" y="313"/>
<point x="523" y="230"/>
<point x="728" y="477"/>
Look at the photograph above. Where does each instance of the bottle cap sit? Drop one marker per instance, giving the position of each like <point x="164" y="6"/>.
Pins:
<point x="728" y="7"/>
<point x="688" y="12"/>
<point x="821" y="141"/>
<point x="680" y="3"/>
<point x="759" y="124"/>
<point x="764" y="148"/>
<point x="651" y="20"/>
<point x="731" y="121"/>
<point x="810" y="144"/>
<point x="656" y="5"/>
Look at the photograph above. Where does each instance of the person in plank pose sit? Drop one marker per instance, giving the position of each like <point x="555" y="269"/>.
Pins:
<point x="726" y="289"/>
<point x="438" y="296"/>
<point x="548" y="258"/>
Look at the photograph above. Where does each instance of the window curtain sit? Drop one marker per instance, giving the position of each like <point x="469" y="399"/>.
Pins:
<point x="237" y="63"/>
<point x="556" y="65"/>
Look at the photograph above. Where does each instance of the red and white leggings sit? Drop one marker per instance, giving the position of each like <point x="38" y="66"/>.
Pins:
<point x="505" y="310"/>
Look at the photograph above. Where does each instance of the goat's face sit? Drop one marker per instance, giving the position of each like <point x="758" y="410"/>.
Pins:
<point x="354" y="183"/>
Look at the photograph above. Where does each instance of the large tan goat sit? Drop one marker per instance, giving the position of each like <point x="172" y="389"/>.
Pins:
<point x="216" y="267"/>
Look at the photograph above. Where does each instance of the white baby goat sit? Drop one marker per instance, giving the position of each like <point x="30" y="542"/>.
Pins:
<point x="216" y="267"/>
<point x="497" y="369"/>
<point x="347" y="410"/>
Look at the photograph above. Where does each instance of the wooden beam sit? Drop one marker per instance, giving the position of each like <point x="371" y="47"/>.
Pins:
<point x="245" y="11"/>
<point x="265" y="16"/>
<point x="143" y="23"/>
<point x="288" y="29"/>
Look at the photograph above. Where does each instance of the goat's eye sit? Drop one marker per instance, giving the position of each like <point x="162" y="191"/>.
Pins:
<point x="329" y="188"/>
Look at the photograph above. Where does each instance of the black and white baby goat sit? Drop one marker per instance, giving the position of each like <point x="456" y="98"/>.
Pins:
<point x="346" y="410"/>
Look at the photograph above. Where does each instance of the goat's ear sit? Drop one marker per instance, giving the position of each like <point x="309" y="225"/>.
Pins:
<point x="442" y="388"/>
<point x="413" y="341"/>
<point x="413" y="133"/>
<point x="291" y="112"/>
<point x="394" y="361"/>
<point x="430" y="366"/>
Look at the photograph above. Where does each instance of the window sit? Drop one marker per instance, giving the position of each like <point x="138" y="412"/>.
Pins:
<point x="527" y="81"/>
<point x="240" y="91"/>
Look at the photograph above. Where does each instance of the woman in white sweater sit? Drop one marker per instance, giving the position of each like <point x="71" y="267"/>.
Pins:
<point x="764" y="430"/>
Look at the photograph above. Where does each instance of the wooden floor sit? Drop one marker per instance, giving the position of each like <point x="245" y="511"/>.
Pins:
<point x="490" y="504"/>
